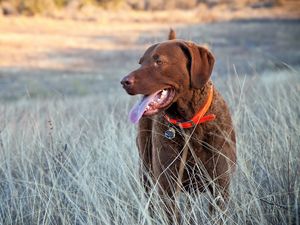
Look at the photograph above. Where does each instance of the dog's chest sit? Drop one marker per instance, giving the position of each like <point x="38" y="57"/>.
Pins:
<point x="169" y="140"/>
<point x="166" y="154"/>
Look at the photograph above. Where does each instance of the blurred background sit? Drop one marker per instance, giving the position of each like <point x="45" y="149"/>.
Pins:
<point x="67" y="150"/>
<point x="80" y="47"/>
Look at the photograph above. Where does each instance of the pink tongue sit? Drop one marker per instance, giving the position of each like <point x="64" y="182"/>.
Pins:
<point x="139" y="108"/>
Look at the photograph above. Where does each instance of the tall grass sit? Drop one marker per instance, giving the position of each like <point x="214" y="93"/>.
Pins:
<point x="74" y="161"/>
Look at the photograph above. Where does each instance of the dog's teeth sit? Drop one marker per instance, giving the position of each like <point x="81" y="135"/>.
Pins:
<point x="164" y="93"/>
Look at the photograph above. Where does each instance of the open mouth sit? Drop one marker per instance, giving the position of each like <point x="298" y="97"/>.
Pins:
<point x="151" y="104"/>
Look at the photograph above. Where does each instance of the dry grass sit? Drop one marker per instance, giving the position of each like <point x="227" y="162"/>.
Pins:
<point x="74" y="160"/>
<point x="26" y="41"/>
<point x="43" y="43"/>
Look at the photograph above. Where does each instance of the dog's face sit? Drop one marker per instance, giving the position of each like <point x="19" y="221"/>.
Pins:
<point x="168" y="70"/>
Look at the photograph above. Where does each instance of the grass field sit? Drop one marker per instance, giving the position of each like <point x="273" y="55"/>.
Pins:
<point x="74" y="160"/>
<point x="67" y="150"/>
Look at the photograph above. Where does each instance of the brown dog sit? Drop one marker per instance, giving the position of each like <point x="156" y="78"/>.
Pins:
<point x="181" y="107"/>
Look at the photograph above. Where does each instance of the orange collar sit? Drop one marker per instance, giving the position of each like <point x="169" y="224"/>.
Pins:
<point x="198" y="118"/>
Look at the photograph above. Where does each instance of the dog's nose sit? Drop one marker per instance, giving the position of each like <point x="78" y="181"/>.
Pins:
<point x="127" y="81"/>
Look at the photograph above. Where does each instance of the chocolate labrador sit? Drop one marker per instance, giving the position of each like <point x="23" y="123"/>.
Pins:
<point x="181" y="109"/>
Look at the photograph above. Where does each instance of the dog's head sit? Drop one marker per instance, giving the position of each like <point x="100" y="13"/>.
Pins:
<point x="168" y="70"/>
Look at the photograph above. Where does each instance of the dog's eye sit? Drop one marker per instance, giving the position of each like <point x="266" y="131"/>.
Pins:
<point x="157" y="59"/>
<point x="159" y="62"/>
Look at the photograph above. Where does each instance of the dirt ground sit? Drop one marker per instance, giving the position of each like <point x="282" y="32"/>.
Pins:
<point x="44" y="57"/>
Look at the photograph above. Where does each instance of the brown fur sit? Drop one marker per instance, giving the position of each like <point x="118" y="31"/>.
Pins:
<point x="187" y="67"/>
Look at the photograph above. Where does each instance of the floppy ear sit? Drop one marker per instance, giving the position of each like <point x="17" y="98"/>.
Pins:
<point x="201" y="64"/>
<point x="172" y="34"/>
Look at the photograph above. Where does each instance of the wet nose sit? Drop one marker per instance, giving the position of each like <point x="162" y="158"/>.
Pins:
<point x="127" y="81"/>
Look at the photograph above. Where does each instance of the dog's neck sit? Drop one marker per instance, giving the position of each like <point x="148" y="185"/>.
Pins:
<point x="189" y="104"/>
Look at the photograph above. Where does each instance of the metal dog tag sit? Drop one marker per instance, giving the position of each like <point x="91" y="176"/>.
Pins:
<point x="170" y="133"/>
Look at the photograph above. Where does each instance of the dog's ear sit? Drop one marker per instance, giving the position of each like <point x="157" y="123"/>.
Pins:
<point x="201" y="63"/>
<point x="172" y="34"/>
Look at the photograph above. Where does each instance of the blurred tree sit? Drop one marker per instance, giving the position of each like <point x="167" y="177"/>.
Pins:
<point x="31" y="7"/>
<point x="61" y="3"/>
<point x="171" y="4"/>
<point x="135" y="4"/>
<point x="108" y="3"/>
